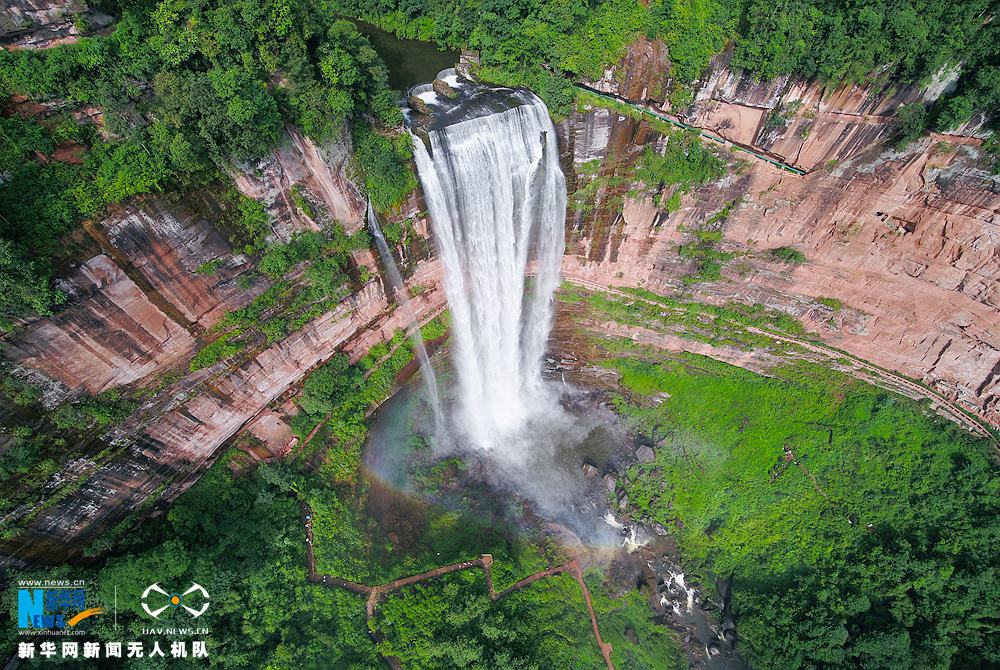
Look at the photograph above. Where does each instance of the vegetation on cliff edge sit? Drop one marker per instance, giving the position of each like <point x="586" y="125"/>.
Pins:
<point x="170" y="100"/>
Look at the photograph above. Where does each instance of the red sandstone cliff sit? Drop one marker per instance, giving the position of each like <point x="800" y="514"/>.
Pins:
<point x="321" y="173"/>
<point x="36" y="24"/>
<point x="907" y="241"/>
<point x="169" y="453"/>
<point x="804" y="123"/>
<point x="138" y="307"/>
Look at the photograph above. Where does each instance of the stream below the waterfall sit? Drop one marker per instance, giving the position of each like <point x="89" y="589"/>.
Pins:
<point x="558" y="496"/>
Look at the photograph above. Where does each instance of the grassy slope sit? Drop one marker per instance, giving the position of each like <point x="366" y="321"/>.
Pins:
<point x="892" y="506"/>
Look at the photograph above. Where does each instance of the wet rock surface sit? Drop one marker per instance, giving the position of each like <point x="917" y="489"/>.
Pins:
<point x="452" y="99"/>
<point x="707" y="627"/>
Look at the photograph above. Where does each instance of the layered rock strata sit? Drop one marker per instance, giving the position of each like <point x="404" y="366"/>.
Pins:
<point x="804" y="123"/>
<point x="319" y="173"/>
<point x="138" y="307"/>
<point x="38" y="24"/>
<point x="902" y="244"/>
<point x="169" y="453"/>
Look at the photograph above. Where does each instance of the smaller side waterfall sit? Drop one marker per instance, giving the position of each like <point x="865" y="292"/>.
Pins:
<point x="399" y="293"/>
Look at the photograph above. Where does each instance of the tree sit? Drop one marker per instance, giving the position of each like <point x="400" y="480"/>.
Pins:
<point x="329" y="386"/>
<point x="24" y="291"/>
<point x="911" y="123"/>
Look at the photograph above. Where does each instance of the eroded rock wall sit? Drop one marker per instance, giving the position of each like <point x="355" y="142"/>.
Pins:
<point x="318" y="172"/>
<point x="111" y="334"/>
<point x="907" y="242"/>
<point x="804" y="123"/>
<point x="169" y="453"/>
<point x="169" y="246"/>
<point x="139" y="307"/>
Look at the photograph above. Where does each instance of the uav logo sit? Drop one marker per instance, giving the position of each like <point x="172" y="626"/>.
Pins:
<point x="175" y="600"/>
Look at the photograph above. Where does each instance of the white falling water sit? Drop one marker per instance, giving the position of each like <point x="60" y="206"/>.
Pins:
<point x="497" y="201"/>
<point x="398" y="288"/>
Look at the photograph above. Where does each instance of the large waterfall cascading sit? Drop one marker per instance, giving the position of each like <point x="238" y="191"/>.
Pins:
<point x="497" y="202"/>
<point x="398" y="288"/>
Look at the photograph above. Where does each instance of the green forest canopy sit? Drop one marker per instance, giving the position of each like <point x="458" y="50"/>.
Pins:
<point x="858" y="529"/>
<point x="184" y="89"/>
<point x="187" y="86"/>
<point x="538" y="42"/>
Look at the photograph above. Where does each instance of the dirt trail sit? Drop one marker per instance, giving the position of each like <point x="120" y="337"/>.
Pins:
<point x="485" y="562"/>
<point x="605" y="647"/>
<point x="948" y="408"/>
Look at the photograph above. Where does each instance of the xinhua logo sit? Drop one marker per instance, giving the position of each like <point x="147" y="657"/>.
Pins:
<point x="174" y="600"/>
<point x="53" y="608"/>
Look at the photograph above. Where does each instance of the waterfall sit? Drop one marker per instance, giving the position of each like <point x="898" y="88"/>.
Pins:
<point x="402" y="298"/>
<point x="497" y="202"/>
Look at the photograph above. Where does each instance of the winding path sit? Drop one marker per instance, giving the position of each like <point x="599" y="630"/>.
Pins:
<point x="485" y="561"/>
<point x="949" y="408"/>
<point x="773" y="160"/>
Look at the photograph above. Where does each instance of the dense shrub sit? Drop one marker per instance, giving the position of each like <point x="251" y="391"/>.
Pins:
<point x="788" y="255"/>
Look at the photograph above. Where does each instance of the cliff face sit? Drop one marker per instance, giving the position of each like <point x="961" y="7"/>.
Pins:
<point x="112" y="335"/>
<point x="317" y="173"/>
<point x="139" y="307"/>
<point x="169" y="453"/>
<point x="906" y="241"/>
<point x="803" y="123"/>
<point x="45" y="23"/>
<point x="144" y="305"/>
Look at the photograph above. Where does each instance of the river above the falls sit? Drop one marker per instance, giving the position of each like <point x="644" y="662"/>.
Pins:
<point x="410" y="62"/>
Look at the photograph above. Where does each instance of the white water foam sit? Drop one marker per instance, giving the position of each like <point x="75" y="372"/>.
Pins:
<point x="497" y="200"/>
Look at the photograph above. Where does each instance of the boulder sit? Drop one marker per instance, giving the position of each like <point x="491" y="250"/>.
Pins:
<point x="442" y="88"/>
<point x="589" y="471"/>
<point x="645" y="454"/>
<point x="418" y="105"/>
<point x="611" y="483"/>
